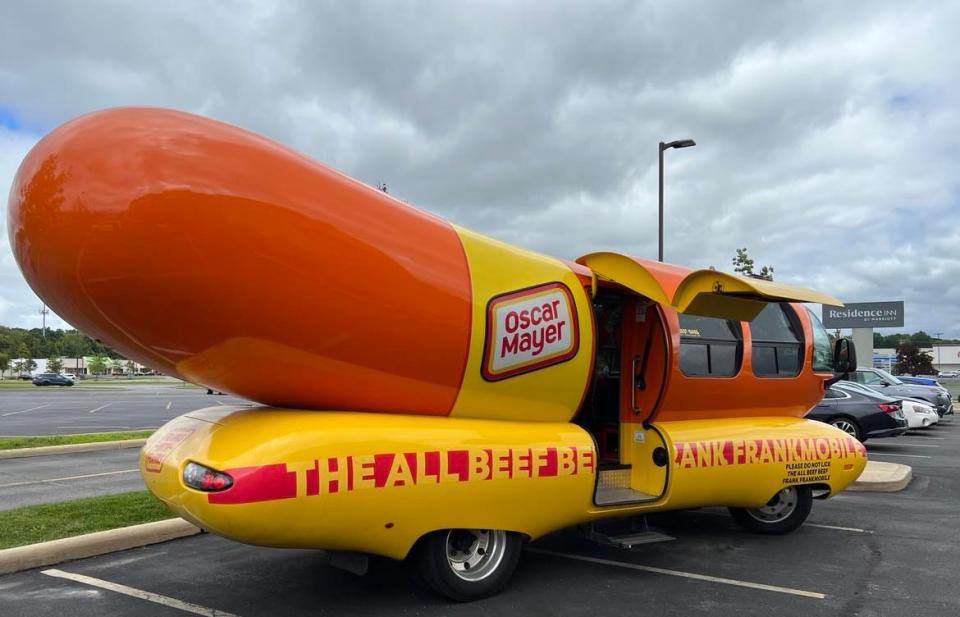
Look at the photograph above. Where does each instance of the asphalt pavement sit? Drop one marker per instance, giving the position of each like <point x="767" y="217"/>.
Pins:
<point x="59" y="410"/>
<point x="47" y="479"/>
<point x="859" y="554"/>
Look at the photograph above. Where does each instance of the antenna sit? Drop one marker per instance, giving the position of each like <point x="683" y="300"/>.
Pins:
<point x="44" y="312"/>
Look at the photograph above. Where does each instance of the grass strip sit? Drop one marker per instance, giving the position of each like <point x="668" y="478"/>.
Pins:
<point x="52" y="521"/>
<point x="15" y="443"/>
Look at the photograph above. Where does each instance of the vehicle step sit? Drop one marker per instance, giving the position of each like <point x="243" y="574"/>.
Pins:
<point x="608" y="496"/>
<point x="624" y="533"/>
<point x="613" y="487"/>
<point x="633" y="539"/>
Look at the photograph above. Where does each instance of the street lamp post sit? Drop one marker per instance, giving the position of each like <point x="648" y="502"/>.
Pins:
<point x="939" y="335"/>
<point x="682" y="143"/>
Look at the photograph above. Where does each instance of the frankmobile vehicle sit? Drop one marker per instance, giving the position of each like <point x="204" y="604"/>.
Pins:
<point x="433" y="394"/>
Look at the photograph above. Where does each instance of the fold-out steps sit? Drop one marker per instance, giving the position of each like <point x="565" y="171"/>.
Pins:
<point x="613" y="488"/>
<point x="624" y="533"/>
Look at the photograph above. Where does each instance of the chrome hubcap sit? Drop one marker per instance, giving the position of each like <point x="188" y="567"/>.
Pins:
<point x="780" y="507"/>
<point x="846" y="427"/>
<point x="474" y="554"/>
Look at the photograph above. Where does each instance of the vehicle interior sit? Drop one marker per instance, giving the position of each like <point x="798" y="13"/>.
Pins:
<point x="629" y="379"/>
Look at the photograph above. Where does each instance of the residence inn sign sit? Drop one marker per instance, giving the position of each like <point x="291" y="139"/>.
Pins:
<point x="864" y="315"/>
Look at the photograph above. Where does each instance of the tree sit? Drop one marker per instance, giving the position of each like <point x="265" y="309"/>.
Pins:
<point x="23" y="352"/>
<point x="116" y="366"/>
<point x="131" y="367"/>
<point x="73" y="347"/>
<point x="4" y="364"/>
<point x="743" y="264"/>
<point x="54" y="364"/>
<point x="911" y="361"/>
<point x="97" y="364"/>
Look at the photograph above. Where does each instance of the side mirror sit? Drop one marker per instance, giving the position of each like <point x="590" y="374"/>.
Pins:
<point x="844" y="356"/>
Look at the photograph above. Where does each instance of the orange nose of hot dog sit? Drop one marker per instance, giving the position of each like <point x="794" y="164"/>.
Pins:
<point x="214" y="254"/>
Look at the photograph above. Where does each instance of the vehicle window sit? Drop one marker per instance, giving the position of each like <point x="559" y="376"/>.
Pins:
<point x="831" y="393"/>
<point x="870" y="377"/>
<point x="822" y="351"/>
<point x="777" y="349"/>
<point x="885" y="376"/>
<point x="709" y="346"/>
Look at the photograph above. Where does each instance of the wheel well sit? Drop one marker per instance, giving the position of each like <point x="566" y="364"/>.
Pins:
<point x="416" y="545"/>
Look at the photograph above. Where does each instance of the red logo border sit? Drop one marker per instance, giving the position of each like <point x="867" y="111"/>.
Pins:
<point x="490" y="329"/>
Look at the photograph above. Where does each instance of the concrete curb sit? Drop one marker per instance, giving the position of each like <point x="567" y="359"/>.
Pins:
<point x="71" y="448"/>
<point x="91" y="544"/>
<point x="880" y="477"/>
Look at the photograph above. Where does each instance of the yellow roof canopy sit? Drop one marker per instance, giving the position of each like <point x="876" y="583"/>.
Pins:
<point x="699" y="292"/>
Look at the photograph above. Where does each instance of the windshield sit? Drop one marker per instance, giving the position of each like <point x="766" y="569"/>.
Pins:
<point x="889" y="377"/>
<point x="822" y="353"/>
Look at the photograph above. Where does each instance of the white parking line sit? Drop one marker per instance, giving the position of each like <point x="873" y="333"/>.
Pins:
<point x="895" y="454"/>
<point x="139" y="593"/>
<point x="901" y="443"/>
<point x="13" y="413"/>
<point x="100" y="407"/>
<point x="169" y="403"/>
<point x="89" y="475"/>
<point x="218" y="402"/>
<point x="838" y="528"/>
<point x="699" y="577"/>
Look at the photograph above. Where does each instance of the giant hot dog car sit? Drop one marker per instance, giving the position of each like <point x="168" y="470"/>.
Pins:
<point x="428" y="392"/>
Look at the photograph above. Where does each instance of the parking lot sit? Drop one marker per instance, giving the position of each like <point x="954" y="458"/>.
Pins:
<point x="859" y="554"/>
<point x="88" y="409"/>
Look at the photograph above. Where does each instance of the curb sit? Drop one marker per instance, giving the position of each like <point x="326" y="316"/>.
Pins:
<point x="91" y="544"/>
<point x="71" y="448"/>
<point x="880" y="477"/>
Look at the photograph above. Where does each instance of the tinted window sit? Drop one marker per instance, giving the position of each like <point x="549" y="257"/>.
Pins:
<point x="777" y="349"/>
<point x="831" y="393"/>
<point x="709" y="346"/>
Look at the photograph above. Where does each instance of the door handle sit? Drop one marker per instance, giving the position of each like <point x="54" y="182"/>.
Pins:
<point x="634" y="377"/>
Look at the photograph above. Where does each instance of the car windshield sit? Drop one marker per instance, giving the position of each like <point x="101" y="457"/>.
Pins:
<point x="888" y="377"/>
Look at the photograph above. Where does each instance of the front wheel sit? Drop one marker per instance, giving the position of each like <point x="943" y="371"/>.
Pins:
<point x="467" y="564"/>
<point x="786" y="511"/>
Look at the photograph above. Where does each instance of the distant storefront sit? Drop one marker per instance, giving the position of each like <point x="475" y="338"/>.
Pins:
<point x="79" y="367"/>
<point x="945" y="357"/>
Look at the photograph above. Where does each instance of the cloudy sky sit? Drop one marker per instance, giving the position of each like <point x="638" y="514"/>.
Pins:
<point x="828" y="132"/>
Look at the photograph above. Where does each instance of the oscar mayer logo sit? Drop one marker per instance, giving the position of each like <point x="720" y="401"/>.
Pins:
<point x="529" y="329"/>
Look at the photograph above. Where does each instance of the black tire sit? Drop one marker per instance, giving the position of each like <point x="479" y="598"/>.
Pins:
<point x="849" y="426"/>
<point x="786" y="511"/>
<point x="443" y="559"/>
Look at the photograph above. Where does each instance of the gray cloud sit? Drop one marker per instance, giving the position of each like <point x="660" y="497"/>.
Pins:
<point x="827" y="132"/>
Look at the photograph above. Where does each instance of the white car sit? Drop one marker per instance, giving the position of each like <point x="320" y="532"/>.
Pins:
<point x="919" y="414"/>
<point x="948" y="374"/>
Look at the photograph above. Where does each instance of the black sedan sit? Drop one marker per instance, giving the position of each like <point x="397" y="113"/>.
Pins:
<point x="859" y="414"/>
<point x="52" y="379"/>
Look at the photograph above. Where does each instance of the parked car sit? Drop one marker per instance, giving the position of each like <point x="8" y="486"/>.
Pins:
<point x="920" y="381"/>
<point x="951" y="374"/>
<point x="860" y="415"/>
<point x="919" y="413"/>
<point x="885" y="383"/>
<point x="52" y="379"/>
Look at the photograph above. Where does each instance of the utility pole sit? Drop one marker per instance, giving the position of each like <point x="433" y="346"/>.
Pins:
<point x="939" y="336"/>
<point x="44" y="313"/>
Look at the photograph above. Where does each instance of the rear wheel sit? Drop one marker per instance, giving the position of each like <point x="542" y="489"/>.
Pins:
<point x="848" y="426"/>
<point x="467" y="564"/>
<point x="786" y="511"/>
